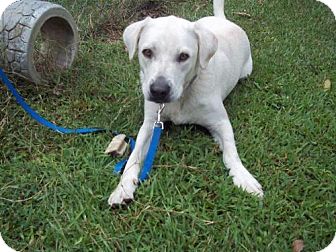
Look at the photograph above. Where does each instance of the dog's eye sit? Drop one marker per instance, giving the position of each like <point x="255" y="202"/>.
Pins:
<point x="183" y="57"/>
<point x="148" y="53"/>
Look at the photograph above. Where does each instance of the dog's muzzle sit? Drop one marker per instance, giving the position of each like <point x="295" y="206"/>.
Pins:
<point x="160" y="90"/>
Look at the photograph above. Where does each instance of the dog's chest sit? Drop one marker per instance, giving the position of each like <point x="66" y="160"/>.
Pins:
<point x="181" y="113"/>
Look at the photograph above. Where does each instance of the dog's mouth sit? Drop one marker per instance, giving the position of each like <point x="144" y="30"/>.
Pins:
<point x="160" y="90"/>
<point x="159" y="99"/>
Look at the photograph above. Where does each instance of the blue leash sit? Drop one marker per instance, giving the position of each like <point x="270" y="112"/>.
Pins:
<point x="149" y="160"/>
<point x="148" y="163"/>
<point x="39" y="118"/>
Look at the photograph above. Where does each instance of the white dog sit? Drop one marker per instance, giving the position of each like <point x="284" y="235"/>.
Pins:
<point x="191" y="67"/>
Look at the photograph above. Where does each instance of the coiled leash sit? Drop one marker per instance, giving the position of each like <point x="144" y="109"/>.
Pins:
<point x="148" y="163"/>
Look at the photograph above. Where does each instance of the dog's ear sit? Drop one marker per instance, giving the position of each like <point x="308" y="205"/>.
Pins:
<point x="132" y="34"/>
<point x="207" y="44"/>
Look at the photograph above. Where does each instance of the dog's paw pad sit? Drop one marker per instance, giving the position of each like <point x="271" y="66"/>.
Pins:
<point x="128" y="201"/>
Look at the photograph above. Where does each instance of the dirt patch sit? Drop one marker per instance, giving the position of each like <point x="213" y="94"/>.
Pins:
<point x="109" y="30"/>
<point x="153" y="9"/>
<point x="126" y="13"/>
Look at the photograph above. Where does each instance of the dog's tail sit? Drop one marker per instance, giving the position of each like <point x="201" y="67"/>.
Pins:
<point x="218" y="6"/>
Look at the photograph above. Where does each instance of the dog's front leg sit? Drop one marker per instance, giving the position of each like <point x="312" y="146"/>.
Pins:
<point x="220" y="127"/>
<point x="124" y="192"/>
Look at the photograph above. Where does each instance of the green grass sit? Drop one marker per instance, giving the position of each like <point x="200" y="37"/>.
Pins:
<point x="54" y="188"/>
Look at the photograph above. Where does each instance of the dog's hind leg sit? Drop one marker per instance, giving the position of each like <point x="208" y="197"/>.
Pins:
<point x="247" y="69"/>
<point x="124" y="192"/>
<point x="220" y="127"/>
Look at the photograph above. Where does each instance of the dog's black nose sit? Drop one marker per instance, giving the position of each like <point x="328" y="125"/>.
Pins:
<point x="160" y="90"/>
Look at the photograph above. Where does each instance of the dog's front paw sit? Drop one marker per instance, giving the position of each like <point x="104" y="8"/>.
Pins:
<point x="124" y="193"/>
<point x="242" y="178"/>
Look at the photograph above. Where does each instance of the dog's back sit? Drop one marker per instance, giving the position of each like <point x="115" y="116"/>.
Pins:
<point x="233" y="47"/>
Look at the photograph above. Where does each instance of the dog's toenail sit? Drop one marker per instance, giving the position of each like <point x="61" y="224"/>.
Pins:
<point x="127" y="201"/>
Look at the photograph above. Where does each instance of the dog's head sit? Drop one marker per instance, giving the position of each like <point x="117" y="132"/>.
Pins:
<point x="170" y="50"/>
